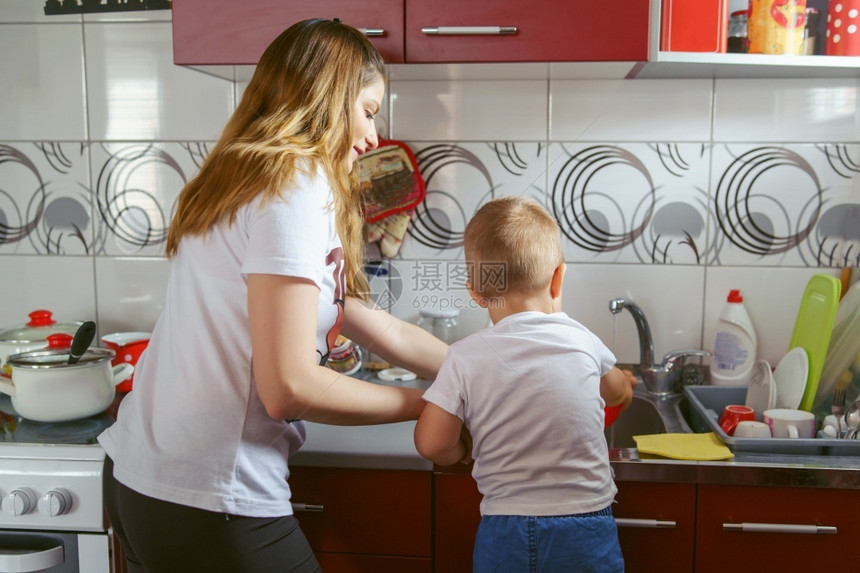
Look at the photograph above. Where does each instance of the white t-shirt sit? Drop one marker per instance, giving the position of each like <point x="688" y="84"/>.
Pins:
<point x="528" y="389"/>
<point x="194" y="431"/>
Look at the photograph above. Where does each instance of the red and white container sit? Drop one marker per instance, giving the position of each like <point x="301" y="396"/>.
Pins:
<point x="843" y="21"/>
<point x="128" y="347"/>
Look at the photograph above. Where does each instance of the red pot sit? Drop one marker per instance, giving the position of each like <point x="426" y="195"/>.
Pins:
<point x="128" y="347"/>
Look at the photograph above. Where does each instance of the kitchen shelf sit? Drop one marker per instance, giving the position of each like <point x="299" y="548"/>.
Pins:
<point x="717" y="65"/>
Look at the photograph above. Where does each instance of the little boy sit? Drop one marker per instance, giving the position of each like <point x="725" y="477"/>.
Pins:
<point x="530" y="390"/>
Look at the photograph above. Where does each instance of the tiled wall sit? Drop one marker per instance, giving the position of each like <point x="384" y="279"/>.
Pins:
<point x="670" y="192"/>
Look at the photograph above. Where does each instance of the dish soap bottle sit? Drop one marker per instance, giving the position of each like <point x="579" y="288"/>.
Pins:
<point x="734" y="344"/>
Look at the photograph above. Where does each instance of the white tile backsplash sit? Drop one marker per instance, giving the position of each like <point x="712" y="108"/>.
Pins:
<point x="131" y="293"/>
<point x="469" y="110"/>
<point x="109" y="135"/>
<point x="135" y="92"/>
<point x="42" y="87"/>
<point x="624" y="110"/>
<point x="783" y="110"/>
<point x="64" y="285"/>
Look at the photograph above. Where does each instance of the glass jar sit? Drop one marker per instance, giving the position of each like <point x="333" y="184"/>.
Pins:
<point x="443" y="324"/>
<point x="738" y="40"/>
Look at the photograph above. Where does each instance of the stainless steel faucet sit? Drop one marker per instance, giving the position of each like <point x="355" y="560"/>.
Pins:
<point x="660" y="378"/>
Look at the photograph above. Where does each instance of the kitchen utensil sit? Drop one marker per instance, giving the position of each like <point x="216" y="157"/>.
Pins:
<point x="761" y="393"/>
<point x="732" y="415"/>
<point x="83" y="337"/>
<point x="790" y="423"/>
<point x="852" y="419"/>
<point x="752" y="429"/>
<point x="46" y="388"/>
<point x="31" y="335"/>
<point x="813" y="328"/>
<point x="837" y="405"/>
<point x="790" y="378"/>
<point x="844" y="347"/>
<point x="128" y="347"/>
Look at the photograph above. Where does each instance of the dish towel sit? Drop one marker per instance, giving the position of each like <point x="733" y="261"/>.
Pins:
<point x="702" y="447"/>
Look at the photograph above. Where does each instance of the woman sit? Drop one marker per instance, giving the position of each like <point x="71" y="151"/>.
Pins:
<point x="265" y="251"/>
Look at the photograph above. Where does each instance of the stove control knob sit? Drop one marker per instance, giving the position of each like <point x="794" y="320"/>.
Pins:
<point x="56" y="502"/>
<point x="20" y="501"/>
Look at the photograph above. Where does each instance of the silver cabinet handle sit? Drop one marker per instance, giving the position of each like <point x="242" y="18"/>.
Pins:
<point x="780" y="528"/>
<point x="647" y="523"/>
<point x="318" y="508"/>
<point x="469" y="30"/>
<point x="372" y="31"/>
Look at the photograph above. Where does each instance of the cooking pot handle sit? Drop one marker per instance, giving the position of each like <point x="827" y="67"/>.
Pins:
<point x="6" y="386"/>
<point x="122" y="372"/>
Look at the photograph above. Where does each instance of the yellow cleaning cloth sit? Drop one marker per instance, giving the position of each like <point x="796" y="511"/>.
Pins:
<point x="705" y="447"/>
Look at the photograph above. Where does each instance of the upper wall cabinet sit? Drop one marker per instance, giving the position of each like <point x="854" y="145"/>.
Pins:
<point x="534" y="31"/>
<point x="232" y="32"/>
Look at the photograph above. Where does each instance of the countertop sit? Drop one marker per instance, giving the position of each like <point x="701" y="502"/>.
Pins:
<point x="386" y="446"/>
<point x="391" y="446"/>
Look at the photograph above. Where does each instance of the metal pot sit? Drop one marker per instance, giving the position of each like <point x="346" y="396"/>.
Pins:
<point x="46" y="388"/>
<point x="31" y="336"/>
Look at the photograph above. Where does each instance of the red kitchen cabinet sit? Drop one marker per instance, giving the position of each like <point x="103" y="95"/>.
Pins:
<point x="784" y="528"/>
<point x="364" y="520"/>
<point x="231" y="32"/>
<point x="545" y="31"/>
<point x="457" y="515"/>
<point x="656" y="526"/>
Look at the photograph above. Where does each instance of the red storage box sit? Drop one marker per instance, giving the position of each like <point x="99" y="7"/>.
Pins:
<point x="694" y="25"/>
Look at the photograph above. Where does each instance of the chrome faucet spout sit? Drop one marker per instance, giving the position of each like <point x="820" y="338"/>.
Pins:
<point x="646" y="343"/>
<point x="660" y="379"/>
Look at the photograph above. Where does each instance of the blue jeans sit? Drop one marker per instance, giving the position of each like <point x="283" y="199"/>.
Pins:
<point x="563" y="543"/>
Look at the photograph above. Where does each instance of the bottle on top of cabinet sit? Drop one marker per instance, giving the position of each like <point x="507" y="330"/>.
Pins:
<point x="734" y="344"/>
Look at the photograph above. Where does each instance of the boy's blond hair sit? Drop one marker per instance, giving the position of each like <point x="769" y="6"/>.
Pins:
<point x="512" y="244"/>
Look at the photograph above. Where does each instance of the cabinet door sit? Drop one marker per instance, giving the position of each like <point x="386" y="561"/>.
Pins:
<point x="656" y="526"/>
<point x="458" y="513"/>
<point x="546" y="31"/>
<point x="376" y="512"/>
<point x="231" y="32"/>
<point x="784" y="528"/>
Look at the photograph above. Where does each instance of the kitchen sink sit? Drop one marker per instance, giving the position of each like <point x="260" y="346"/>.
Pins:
<point x="649" y="414"/>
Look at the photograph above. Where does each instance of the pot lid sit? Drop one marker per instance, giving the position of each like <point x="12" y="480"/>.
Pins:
<point x="41" y="325"/>
<point x="59" y="358"/>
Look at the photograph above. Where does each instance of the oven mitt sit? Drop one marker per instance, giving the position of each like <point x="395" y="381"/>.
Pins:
<point x="392" y="188"/>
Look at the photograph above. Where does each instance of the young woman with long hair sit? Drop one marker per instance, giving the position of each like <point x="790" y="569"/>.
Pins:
<point x="265" y="250"/>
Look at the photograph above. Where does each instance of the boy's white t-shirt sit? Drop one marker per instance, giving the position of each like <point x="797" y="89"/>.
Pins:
<point x="194" y="431"/>
<point x="528" y="389"/>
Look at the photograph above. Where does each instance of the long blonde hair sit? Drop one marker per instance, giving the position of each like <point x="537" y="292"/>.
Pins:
<point x="296" y="113"/>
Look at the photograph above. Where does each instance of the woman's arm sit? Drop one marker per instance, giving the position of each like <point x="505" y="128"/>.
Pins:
<point x="395" y="340"/>
<point x="440" y="438"/>
<point x="291" y="383"/>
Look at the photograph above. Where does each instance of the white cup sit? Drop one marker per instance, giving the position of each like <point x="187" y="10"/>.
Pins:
<point x="788" y="423"/>
<point x="752" y="429"/>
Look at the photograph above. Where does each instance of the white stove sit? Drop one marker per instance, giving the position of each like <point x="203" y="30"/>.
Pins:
<point x="51" y="513"/>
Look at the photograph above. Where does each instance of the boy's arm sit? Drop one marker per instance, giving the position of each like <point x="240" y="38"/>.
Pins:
<point x="616" y="387"/>
<point x="439" y="436"/>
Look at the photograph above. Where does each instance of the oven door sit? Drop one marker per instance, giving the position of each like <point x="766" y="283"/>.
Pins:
<point x="54" y="552"/>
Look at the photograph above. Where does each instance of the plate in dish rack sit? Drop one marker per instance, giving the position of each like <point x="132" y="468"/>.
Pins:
<point x="761" y="393"/>
<point x="790" y="378"/>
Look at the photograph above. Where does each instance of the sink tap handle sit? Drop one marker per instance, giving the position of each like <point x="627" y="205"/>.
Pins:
<point x="678" y="357"/>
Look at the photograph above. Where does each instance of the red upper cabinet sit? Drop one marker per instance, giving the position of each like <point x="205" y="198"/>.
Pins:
<point x="231" y="32"/>
<point x="536" y="31"/>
